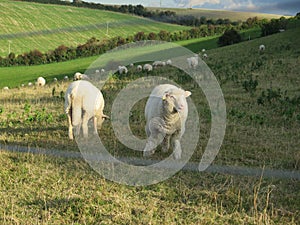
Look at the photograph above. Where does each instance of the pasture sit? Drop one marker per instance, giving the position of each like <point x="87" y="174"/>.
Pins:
<point x="25" y="26"/>
<point x="262" y="132"/>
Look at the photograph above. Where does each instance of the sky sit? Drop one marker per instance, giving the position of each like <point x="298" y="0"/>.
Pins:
<point x="282" y="7"/>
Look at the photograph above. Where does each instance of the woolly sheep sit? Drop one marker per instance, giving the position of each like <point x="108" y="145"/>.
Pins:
<point x="122" y="69"/>
<point x="131" y="65"/>
<point x="55" y="79"/>
<point x="102" y="70"/>
<point x="205" y="56"/>
<point x="158" y="63"/>
<point x="40" y="81"/>
<point x="262" y="47"/>
<point x="147" y="67"/>
<point x="83" y="101"/>
<point x="169" y="62"/>
<point x="29" y="84"/>
<point x="203" y="50"/>
<point x="193" y="61"/>
<point x="80" y="76"/>
<point x="66" y="78"/>
<point x="166" y="112"/>
<point x="6" y="88"/>
<point x="139" y="68"/>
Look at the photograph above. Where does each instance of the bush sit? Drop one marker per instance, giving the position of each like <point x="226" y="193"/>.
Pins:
<point x="229" y="37"/>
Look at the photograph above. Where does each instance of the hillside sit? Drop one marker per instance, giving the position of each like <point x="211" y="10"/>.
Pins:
<point x="217" y="14"/>
<point x="26" y="26"/>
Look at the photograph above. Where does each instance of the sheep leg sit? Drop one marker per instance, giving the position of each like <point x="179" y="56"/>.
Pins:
<point x="166" y="143"/>
<point x="85" y="121"/>
<point x="176" y="145"/>
<point x="70" y="127"/>
<point x="95" y="125"/>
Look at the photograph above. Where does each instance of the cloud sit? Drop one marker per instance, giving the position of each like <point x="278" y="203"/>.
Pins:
<point x="192" y="3"/>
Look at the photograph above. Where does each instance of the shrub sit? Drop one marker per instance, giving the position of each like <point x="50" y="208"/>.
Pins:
<point x="229" y="37"/>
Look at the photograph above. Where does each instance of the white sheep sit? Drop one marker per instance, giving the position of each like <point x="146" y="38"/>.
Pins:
<point x="193" y="61"/>
<point x="203" y="50"/>
<point x="139" y="68"/>
<point x="80" y="76"/>
<point x="166" y="113"/>
<point x="29" y="84"/>
<point x="169" y="62"/>
<point x="158" y="63"/>
<point x="262" y="48"/>
<point x="83" y="101"/>
<point x="205" y="56"/>
<point x="131" y="65"/>
<point x="41" y="81"/>
<point x="54" y="79"/>
<point x="6" y="88"/>
<point x="122" y="70"/>
<point x="147" y="67"/>
<point x="102" y="70"/>
<point x="22" y="85"/>
<point x="66" y="78"/>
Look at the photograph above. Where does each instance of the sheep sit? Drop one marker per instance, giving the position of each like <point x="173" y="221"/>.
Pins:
<point x="139" y="68"/>
<point x="122" y="69"/>
<point x="131" y="65"/>
<point x="80" y="76"/>
<point x="22" y="85"/>
<point x="262" y="48"/>
<point x="29" y="84"/>
<point x="158" y="63"/>
<point x="166" y="112"/>
<point x="66" y="78"/>
<point x="203" y="50"/>
<point x="41" y="82"/>
<point x="54" y="79"/>
<point x="102" y="70"/>
<point x="6" y="88"/>
<point x="205" y="56"/>
<point x="147" y="67"/>
<point x="83" y="101"/>
<point x="169" y="62"/>
<point x="193" y="61"/>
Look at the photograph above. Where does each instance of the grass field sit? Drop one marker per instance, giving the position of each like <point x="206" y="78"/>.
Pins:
<point x="217" y="14"/>
<point x="38" y="189"/>
<point x="45" y="27"/>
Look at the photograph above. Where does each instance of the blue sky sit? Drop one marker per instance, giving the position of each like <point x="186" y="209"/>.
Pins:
<point x="283" y="7"/>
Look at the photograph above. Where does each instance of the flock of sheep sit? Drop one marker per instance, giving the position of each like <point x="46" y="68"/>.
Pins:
<point x="166" y="109"/>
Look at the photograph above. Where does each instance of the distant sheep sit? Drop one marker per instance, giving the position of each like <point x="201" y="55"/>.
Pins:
<point x="83" y="101"/>
<point x="166" y="113"/>
<point x="147" y="67"/>
<point x="29" y="84"/>
<point x="66" y="78"/>
<point x="262" y="48"/>
<point x="193" y="61"/>
<point x="54" y="79"/>
<point x="80" y="76"/>
<point x="158" y="63"/>
<point x="131" y="65"/>
<point x="102" y="70"/>
<point x="122" y="70"/>
<point x="203" y="50"/>
<point x="205" y="56"/>
<point x="40" y="82"/>
<point x="6" y="88"/>
<point x="139" y="68"/>
<point x="169" y="62"/>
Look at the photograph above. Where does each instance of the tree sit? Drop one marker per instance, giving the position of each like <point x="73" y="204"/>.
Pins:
<point x="229" y="37"/>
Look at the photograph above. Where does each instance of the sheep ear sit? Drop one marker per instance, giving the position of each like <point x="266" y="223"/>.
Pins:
<point x="187" y="93"/>
<point x="105" y="117"/>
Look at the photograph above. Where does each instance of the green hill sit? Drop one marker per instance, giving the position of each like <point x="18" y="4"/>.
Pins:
<point x="26" y="26"/>
<point x="217" y="14"/>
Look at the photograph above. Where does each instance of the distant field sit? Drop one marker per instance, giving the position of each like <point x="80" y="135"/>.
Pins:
<point x="217" y="14"/>
<point x="29" y="26"/>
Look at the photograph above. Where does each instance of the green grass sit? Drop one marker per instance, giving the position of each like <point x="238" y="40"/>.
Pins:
<point x="217" y="14"/>
<point x="64" y="25"/>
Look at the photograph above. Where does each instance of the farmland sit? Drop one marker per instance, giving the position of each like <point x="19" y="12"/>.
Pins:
<point x="261" y="91"/>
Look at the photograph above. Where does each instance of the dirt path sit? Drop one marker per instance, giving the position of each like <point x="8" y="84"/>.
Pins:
<point x="232" y="170"/>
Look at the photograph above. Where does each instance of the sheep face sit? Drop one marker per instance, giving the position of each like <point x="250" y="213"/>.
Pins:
<point x="174" y="101"/>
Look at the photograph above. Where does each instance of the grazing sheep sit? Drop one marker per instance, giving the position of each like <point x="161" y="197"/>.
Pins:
<point x="193" y="61"/>
<point x="97" y="71"/>
<point x="147" y="67"/>
<point x="22" y="85"/>
<point x="66" y="78"/>
<point x="102" y="70"/>
<point x="203" y="50"/>
<point x="41" y="82"/>
<point x="158" y="63"/>
<point x="83" y="101"/>
<point x="6" y="88"/>
<point x="262" y="48"/>
<point x="55" y="79"/>
<point x="169" y="62"/>
<point x="29" y="84"/>
<point x="131" y="65"/>
<point x="166" y="112"/>
<point x="80" y="76"/>
<point x="139" y="68"/>
<point x="123" y="70"/>
<point x="205" y="56"/>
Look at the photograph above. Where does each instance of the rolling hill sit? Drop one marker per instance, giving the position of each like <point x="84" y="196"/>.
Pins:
<point x="26" y="26"/>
